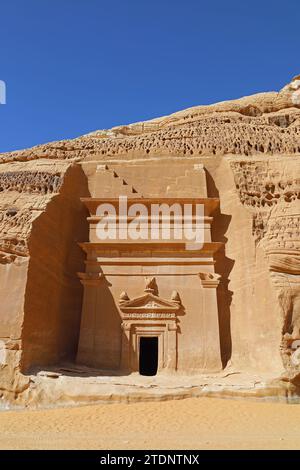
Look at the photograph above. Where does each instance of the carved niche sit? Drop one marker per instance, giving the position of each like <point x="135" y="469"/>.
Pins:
<point x="150" y="315"/>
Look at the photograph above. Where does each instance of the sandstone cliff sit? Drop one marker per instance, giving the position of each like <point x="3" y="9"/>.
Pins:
<point x="251" y="151"/>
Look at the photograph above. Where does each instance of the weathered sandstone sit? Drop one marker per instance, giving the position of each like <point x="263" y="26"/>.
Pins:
<point x="245" y="154"/>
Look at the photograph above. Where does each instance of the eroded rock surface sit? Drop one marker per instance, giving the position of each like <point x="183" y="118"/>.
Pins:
<point x="251" y="152"/>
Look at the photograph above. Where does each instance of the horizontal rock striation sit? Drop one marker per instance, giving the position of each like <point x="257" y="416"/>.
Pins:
<point x="251" y="152"/>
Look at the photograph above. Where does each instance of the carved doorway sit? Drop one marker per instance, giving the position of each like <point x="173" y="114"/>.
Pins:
<point x="148" y="355"/>
<point x="150" y="327"/>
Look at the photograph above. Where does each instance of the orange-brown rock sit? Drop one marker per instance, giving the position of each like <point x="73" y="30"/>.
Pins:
<point x="248" y="154"/>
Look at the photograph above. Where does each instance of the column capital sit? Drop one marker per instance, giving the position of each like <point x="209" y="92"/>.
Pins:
<point x="209" y="279"/>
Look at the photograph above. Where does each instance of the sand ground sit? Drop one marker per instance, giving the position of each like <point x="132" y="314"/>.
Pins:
<point x="194" y="423"/>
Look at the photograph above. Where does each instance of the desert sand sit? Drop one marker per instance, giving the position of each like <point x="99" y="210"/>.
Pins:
<point x="195" y="423"/>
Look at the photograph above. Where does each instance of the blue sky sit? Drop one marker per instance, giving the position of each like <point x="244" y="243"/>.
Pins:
<point x="73" y="66"/>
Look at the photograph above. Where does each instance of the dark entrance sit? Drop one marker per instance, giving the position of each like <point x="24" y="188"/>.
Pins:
<point x="148" y="355"/>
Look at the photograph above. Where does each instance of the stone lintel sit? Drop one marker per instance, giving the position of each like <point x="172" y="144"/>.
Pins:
<point x="147" y="261"/>
<point x="163" y="247"/>
<point x="210" y="204"/>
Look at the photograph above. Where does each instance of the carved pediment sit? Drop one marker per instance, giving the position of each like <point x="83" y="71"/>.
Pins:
<point x="148" y="302"/>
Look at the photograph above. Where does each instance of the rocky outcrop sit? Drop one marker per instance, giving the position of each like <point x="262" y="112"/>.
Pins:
<point x="40" y="221"/>
<point x="270" y="190"/>
<point x="251" y="151"/>
<point x="266" y="123"/>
